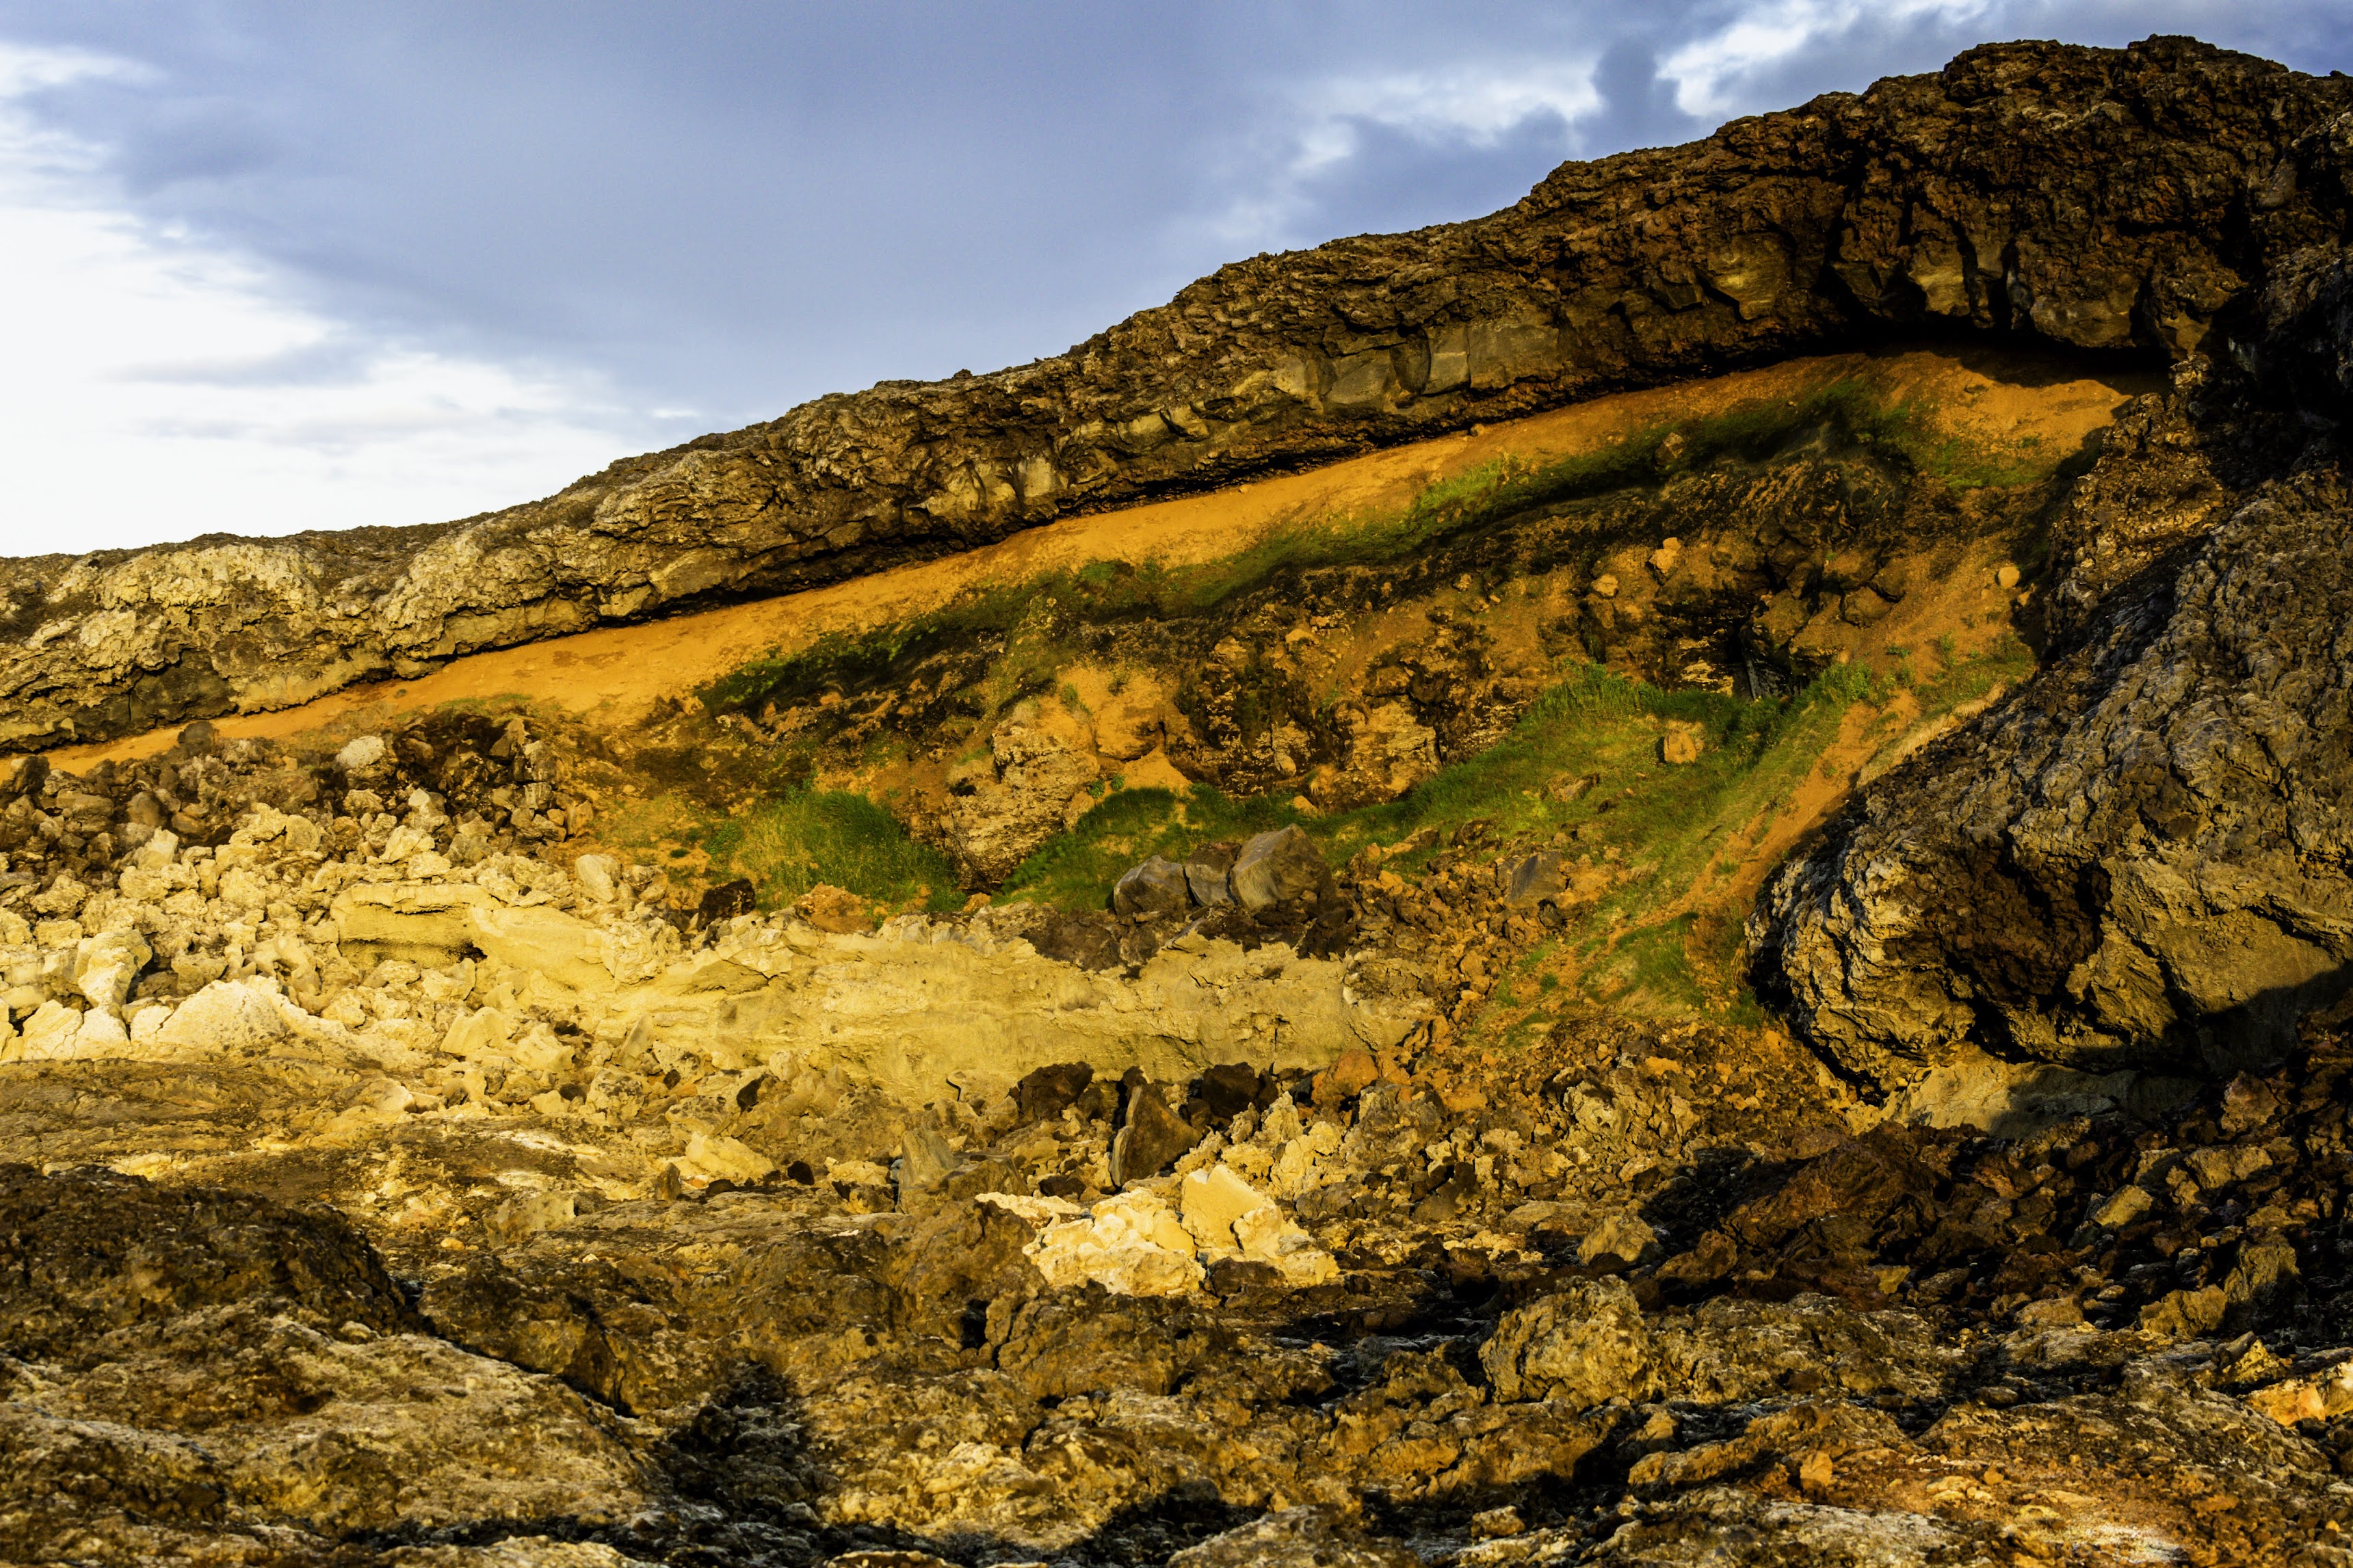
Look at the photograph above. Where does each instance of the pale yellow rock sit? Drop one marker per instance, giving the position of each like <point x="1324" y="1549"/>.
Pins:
<point x="228" y="1017"/>
<point x="714" y="1158"/>
<point x="48" y="1035"/>
<point x="102" y="1034"/>
<point x="421" y="922"/>
<point x="595" y="875"/>
<point x="547" y="943"/>
<point x="1130" y="1245"/>
<point x="106" y="965"/>
<point x="478" y="1035"/>
<point x="1268" y="1237"/>
<point x="1298" y="1167"/>
<point x="1211" y="1201"/>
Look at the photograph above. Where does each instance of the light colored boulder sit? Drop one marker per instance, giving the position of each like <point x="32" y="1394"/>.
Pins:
<point x="106" y="966"/>
<point x="435" y="923"/>
<point x="1267" y="1235"/>
<point x="595" y="875"/>
<point x="1130" y="1245"/>
<point x="48" y="1035"/>
<point x="358" y="756"/>
<point x="1211" y="1201"/>
<point x="102" y="1034"/>
<point x="540" y="940"/>
<point x="228" y="1017"/>
<point x="714" y="1158"/>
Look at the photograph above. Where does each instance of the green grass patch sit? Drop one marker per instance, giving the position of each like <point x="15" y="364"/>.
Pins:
<point x="787" y="844"/>
<point x="1661" y="825"/>
<point x="1075" y="871"/>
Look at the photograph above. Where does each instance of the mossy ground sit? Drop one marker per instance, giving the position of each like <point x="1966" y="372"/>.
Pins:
<point x="1676" y="839"/>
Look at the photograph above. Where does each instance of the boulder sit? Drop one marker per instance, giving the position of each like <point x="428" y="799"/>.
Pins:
<point x="1150" y="1138"/>
<point x="714" y="1157"/>
<point x="108" y="964"/>
<point x="227" y="1018"/>
<point x="1210" y="1201"/>
<point x="1130" y="1245"/>
<point x="595" y="875"/>
<point x="362" y="755"/>
<point x="1208" y="872"/>
<point x="1278" y="868"/>
<point x="1152" y="890"/>
<point x="1534" y="879"/>
<point x="1045" y="1092"/>
<point x="1584" y="1346"/>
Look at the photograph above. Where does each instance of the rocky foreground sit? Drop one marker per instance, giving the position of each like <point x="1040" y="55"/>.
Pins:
<point x="1923" y="1141"/>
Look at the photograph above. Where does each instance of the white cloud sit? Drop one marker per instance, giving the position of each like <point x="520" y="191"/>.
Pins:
<point x="157" y="387"/>
<point x="1474" y="105"/>
<point x="1705" y="69"/>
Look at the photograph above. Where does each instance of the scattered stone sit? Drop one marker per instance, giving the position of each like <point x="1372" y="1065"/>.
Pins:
<point x="1152" y="890"/>
<point x="1682" y="743"/>
<point x="1278" y="868"/>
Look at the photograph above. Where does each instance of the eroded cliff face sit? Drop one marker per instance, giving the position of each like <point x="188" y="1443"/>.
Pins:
<point x="1241" y="1056"/>
<point x="2139" y="861"/>
<point x="2151" y="198"/>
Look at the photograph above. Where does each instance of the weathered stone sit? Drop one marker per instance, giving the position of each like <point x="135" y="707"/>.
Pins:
<point x="1583" y="1346"/>
<point x="1534" y="879"/>
<point x="1152" y="889"/>
<point x="1208" y="874"/>
<point x="1278" y="868"/>
<point x="1151" y="1137"/>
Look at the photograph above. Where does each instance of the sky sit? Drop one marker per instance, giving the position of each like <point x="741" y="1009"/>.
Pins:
<point x="277" y="264"/>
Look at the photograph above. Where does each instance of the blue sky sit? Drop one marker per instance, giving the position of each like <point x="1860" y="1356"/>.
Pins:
<point x="275" y="266"/>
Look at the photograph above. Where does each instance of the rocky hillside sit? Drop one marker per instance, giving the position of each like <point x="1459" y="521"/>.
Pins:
<point x="1659" y="879"/>
<point x="2145" y="198"/>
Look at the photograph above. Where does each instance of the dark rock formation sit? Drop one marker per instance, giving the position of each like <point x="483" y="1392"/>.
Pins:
<point x="2141" y="859"/>
<point x="2168" y="197"/>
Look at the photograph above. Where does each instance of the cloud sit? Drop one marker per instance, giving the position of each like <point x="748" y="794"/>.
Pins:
<point x="160" y="388"/>
<point x="1711" y="71"/>
<point x="266" y="267"/>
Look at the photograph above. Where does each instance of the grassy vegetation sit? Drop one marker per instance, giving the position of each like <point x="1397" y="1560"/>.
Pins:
<point x="790" y="843"/>
<point x="1076" y="869"/>
<point x="1663" y="936"/>
<point x="1848" y="413"/>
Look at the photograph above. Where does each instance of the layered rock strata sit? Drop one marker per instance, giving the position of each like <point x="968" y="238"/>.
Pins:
<point x="389" y="1177"/>
<point x="2167" y="197"/>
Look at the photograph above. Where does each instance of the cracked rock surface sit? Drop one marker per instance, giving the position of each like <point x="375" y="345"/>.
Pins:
<point x="388" y="1177"/>
<point x="2168" y="196"/>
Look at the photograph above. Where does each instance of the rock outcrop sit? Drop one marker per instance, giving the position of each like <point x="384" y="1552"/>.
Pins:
<point x="415" y="1154"/>
<point x="2138" y="860"/>
<point x="2168" y="196"/>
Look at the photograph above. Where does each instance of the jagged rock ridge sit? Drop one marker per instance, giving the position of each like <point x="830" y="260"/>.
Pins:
<point x="2143" y="198"/>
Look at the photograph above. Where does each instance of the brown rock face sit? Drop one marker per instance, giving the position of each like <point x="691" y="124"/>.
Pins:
<point x="2168" y="196"/>
<point x="2137" y="861"/>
